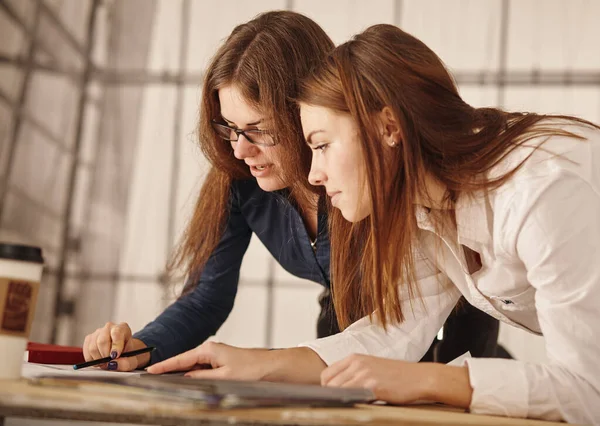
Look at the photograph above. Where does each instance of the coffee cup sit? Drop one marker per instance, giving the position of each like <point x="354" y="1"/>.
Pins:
<point x="20" y="275"/>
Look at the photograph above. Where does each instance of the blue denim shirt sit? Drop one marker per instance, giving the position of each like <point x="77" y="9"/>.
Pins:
<point x="193" y="318"/>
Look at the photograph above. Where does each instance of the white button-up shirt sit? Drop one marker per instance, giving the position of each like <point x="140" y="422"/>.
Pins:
<point x="538" y="236"/>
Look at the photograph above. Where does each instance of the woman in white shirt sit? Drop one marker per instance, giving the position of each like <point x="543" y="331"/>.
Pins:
<point x="509" y="218"/>
<point x="446" y="199"/>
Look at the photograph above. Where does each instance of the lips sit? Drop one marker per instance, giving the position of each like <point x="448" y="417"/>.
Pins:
<point x="334" y="196"/>
<point x="258" y="166"/>
<point x="260" y="170"/>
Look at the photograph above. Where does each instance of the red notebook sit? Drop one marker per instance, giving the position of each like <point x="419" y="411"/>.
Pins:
<point x="42" y="353"/>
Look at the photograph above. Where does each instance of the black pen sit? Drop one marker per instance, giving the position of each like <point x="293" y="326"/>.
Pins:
<point x="108" y="359"/>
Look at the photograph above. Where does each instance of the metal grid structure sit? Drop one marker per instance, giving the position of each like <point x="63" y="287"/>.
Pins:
<point x="39" y="56"/>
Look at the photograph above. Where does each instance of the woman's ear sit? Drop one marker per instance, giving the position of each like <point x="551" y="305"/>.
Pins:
<point x="390" y="128"/>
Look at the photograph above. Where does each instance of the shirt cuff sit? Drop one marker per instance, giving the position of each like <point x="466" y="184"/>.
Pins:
<point x="500" y="387"/>
<point x="335" y="348"/>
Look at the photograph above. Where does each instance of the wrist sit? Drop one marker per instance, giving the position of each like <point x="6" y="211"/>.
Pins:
<point x="298" y="365"/>
<point x="430" y="382"/>
<point x="143" y="360"/>
<point x="447" y="384"/>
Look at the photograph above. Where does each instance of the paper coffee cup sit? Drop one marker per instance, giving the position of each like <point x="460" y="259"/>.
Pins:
<point x="20" y="274"/>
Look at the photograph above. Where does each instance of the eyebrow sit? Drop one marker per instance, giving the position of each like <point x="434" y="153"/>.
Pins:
<point x="311" y="134"/>
<point x="249" y="124"/>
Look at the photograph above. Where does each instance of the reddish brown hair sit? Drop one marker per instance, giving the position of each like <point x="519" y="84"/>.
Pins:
<point x="265" y="58"/>
<point x="441" y="135"/>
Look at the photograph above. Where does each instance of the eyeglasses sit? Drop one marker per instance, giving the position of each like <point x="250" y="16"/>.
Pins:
<point x="255" y="136"/>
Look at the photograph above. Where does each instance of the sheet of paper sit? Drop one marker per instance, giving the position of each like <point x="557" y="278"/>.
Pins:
<point x="31" y="370"/>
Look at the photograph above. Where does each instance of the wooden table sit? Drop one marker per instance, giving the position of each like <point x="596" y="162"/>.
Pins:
<point x="109" y="403"/>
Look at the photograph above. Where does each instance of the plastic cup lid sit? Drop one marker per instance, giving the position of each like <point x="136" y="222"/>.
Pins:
<point x="21" y="252"/>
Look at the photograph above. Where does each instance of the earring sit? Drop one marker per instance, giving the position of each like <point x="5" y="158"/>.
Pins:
<point x="394" y="144"/>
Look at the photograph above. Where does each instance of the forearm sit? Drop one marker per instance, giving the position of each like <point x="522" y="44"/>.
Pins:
<point x="294" y="365"/>
<point x="180" y="328"/>
<point x="190" y="320"/>
<point x="407" y="341"/>
<point x="446" y="384"/>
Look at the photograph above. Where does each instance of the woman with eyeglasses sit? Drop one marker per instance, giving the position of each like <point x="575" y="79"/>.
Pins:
<point x="250" y="131"/>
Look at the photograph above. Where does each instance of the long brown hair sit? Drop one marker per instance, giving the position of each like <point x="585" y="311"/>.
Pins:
<point x="442" y="136"/>
<point x="264" y="58"/>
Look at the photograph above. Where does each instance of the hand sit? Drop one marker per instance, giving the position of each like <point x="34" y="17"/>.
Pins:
<point x="112" y="340"/>
<point x="401" y="382"/>
<point x="218" y="361"/>
<point x="297" y="365"/>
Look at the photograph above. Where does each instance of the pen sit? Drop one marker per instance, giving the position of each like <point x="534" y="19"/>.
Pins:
<point x="108" y="359"/>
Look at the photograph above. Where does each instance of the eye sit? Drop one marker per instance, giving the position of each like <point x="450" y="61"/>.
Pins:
<point x="321" y="148"/>
<point x="259" y="131"/>
<point x="261" y="136"/>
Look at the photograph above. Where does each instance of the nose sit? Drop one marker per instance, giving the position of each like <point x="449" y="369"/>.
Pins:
<point x="316" y="177"/>
<point x="243" y="148"/>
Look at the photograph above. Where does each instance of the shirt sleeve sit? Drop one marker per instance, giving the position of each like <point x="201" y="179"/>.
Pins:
<point x="424" y="316"/>
<point x="553" y="226"/>
<point x="195" y="317"/>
